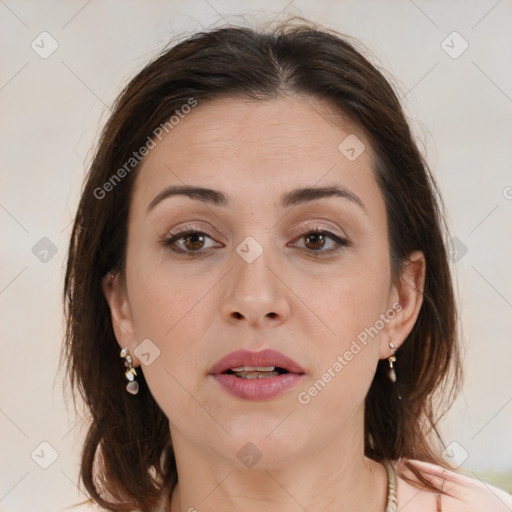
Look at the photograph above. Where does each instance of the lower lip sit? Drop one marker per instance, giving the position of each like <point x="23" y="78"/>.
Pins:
<point x="258" y="389"/>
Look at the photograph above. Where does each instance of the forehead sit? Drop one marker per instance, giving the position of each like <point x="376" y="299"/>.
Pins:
<point x="258" y="148"/>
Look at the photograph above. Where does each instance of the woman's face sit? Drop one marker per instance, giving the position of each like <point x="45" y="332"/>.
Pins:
<point x="254" y="279"/>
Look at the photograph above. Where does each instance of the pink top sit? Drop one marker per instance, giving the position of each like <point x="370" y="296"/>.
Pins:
<point x="467" y="494"/>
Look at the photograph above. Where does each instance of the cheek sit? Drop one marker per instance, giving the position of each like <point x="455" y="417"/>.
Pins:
<point x="172" y="315"/>
<point x="346" y="359"/>
<point x="175" y="312"/>
<point x="353" y="307"/>
<point x="165" y="302"/>
<point x="350" y="303"/>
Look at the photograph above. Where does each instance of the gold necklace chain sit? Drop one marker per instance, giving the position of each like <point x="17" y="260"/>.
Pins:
<point x="392" y="502"/>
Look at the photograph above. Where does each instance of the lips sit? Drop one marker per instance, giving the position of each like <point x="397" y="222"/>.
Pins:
<point x="261" y="359"/>
<point x="262" y="375"/>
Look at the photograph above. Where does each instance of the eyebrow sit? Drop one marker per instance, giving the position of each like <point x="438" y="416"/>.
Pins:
<point x="291" y="198"/>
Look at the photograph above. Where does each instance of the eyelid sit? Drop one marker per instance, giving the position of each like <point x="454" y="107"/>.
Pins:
<point x="195" y="228"/>
<point x="304" y="229"/>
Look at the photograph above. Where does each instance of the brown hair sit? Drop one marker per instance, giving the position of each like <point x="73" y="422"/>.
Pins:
<point x="131" y="433"/>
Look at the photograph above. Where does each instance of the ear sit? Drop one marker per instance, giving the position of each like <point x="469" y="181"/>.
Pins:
<point x="406" y="298"/>
<point x="114" y="289"/>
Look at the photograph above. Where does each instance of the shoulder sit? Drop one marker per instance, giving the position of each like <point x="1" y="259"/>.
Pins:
<point x="464" y="493"/>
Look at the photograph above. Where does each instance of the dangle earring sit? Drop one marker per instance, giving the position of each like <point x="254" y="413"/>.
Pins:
<point x="130" y="373"/>
<point x="391" y="359"/>
<point x="391" y="371"/>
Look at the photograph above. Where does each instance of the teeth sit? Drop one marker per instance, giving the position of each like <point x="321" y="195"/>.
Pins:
<point x="256" y="374"/>
<point x="253" y="369"/>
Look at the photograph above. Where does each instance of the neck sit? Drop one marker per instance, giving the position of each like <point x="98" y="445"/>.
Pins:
<point x="331" y="475"/>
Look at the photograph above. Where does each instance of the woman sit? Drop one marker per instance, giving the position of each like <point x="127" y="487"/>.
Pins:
<point x="260" y="308"/>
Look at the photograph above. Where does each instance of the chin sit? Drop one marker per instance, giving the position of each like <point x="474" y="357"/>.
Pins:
<point x="264" y="443"/>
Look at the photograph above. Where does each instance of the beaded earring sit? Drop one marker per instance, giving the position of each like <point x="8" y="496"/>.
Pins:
<point x="392" y="359"/>
<point x="130" y="373"/>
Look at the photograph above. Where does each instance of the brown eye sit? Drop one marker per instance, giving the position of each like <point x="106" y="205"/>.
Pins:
<point x="316" y="240"/>
<point x="190" y="242"/>
<point x="193" y="241"/>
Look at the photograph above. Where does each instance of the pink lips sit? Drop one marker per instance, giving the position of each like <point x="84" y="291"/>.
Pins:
<point x="267" y="357"/>
<point x="257" y="389"/>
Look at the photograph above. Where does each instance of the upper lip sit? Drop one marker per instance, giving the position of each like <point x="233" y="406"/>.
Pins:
<point x="266" y="357"/>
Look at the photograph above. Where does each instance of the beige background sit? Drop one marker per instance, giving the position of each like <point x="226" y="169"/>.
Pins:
<point x="52" y="110"/>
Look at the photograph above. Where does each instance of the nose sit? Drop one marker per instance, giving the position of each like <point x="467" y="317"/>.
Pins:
<point x="256" y="293"/>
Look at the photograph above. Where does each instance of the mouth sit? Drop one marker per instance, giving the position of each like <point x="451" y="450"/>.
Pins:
<point x="247" y="364"/>
<point x="253" y="372"/>
<point x="257" y="375"/>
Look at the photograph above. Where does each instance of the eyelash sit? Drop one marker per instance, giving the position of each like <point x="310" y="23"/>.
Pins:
<point x="340" y="241"/>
